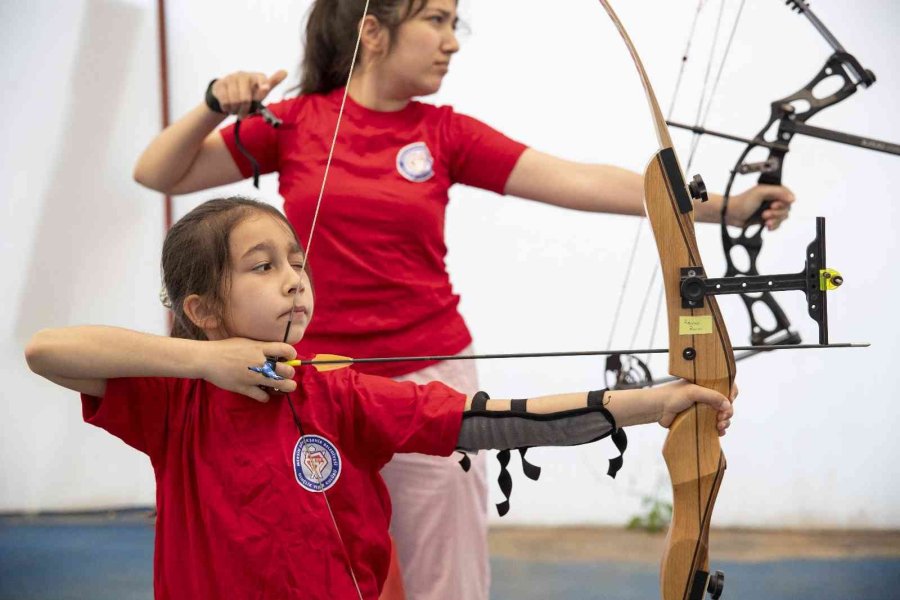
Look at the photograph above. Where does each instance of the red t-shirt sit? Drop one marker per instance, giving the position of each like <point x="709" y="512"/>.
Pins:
<point x="377" y="253"/>
<point x="234" y="519"/>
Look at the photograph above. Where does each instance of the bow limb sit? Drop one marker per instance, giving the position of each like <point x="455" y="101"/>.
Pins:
<point x="699" y="351"/>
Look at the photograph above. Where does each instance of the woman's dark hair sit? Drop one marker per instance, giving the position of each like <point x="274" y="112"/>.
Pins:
<point x="195" y="257"/>
<point x="331" y="33"/>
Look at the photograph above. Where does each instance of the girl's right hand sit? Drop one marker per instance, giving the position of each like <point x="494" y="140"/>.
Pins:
<point x="235" y="92"/>
<point x="225" y="364"/>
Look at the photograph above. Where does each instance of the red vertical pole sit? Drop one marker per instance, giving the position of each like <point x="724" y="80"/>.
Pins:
<point x="164" y="87"/>
<point x="164" y="104"/>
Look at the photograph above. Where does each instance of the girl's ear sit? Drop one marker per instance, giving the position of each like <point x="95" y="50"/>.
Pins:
<point x="198" y="311"/>
<point x="375" y="38"/>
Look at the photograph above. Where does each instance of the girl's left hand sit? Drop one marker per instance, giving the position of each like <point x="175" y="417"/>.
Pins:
<point x="681" y="395"/>
<point x="742" y="206"/>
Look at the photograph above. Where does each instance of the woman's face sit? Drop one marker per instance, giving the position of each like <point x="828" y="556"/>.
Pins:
<point x="423" y="45"/>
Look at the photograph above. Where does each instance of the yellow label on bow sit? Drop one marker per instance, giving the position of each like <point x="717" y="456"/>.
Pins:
<point x="699" y="325"/>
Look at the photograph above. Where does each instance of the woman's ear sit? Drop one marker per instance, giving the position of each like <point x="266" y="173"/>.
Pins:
<point x="200" y="314"/>
<point x="374" y="38"/>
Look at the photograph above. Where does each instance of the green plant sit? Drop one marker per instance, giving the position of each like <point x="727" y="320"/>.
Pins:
<point x="656" y="516"/>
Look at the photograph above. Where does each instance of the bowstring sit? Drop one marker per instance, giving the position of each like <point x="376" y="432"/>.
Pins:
<point x="303" y="264"/>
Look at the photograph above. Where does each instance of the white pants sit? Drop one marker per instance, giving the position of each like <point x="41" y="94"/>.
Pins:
<point x="439" y="522"/>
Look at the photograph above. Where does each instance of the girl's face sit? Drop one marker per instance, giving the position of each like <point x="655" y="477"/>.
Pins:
<point x="420" y="56"/>
<point x="267" y="282"/>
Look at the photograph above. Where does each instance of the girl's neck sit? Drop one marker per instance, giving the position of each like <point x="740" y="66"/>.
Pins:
<point x="366" y="90"/>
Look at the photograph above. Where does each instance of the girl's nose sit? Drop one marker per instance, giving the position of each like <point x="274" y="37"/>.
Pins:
<point x="296" y="283"/>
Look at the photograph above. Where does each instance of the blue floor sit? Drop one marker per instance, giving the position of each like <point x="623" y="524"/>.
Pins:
<point x="875" y="579"/>
<point x="107" y="561"/>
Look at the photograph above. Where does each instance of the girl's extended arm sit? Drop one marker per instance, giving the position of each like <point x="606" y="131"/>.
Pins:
<point x="83" y="358"/>
<point x="579" y="418"/>
<point x="190" y="155"/>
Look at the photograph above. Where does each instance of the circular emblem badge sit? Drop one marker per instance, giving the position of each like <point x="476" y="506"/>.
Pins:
<point x="317" y="464"/>
<point x="415" y="163"/>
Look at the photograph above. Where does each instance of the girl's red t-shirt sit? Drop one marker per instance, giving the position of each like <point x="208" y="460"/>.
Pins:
<point x="235" y="519"/>
<point x="377" y="252"/>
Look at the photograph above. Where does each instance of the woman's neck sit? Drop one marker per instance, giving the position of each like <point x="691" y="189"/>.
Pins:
<point x="366" y="90"/>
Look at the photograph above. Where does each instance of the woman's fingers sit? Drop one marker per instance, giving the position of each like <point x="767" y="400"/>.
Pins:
<point x="276" y="78"/>
<point x="776" y="215"/>
<point x="229" y="96"/>
<point x="246" y="87"/>
<point x="237" y="92"/>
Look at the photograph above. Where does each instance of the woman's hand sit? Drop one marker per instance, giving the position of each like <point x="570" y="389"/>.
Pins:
<point x="742" y="206"/>
<point x="235" y="92"/>
<point x="680" y="396"/>
<point x="225" y="364"/>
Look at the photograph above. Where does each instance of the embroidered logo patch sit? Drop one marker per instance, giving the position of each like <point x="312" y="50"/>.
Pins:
<point x="317" y="464"/>
<point x="415" y="163"/>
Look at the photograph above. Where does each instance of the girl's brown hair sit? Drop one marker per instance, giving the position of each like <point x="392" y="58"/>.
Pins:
<point x="331" y="33"/>
<point x="195" y="257"/>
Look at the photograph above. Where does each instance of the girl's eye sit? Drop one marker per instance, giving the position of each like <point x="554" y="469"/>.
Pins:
<point x="262" y="267"/>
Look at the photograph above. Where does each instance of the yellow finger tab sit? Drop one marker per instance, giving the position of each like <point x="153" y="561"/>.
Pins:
<point x="699" y="325"/>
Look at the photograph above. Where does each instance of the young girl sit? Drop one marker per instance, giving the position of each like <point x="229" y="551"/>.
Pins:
<point x="281" y="498"/>
<point x="380" y="236"/>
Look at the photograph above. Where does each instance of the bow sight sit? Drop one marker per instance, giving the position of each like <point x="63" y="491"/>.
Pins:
<point x="814" y="280"/>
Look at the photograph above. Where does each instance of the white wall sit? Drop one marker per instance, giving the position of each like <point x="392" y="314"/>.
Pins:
<point x="814" y="440"/>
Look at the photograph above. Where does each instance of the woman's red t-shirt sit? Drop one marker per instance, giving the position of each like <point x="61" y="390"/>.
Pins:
<point x="377" y="252"/>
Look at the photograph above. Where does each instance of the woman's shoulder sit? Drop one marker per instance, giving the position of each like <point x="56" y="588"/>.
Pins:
<point x="446" y="115"/>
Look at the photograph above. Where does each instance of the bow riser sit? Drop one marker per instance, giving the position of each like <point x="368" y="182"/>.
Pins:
<point x="702" y="329"/>
<point x="700" y="352"/>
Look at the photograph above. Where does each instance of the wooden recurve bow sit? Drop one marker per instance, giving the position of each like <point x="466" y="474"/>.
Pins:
<point x="699" y="351"/>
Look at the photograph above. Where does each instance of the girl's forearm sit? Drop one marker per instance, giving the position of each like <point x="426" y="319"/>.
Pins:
<point x="628" y="407"/>
<point x="100" y="352"/>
